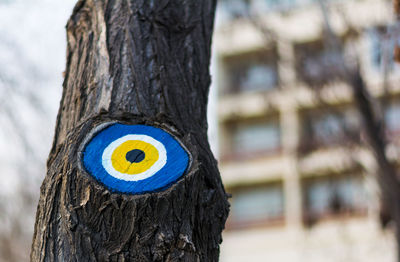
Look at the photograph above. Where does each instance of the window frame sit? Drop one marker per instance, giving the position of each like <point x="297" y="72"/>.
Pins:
<point x="230" y="154"/>
<point x="278" y="220"/>
<point x="350" y="121"/>
<point x="315" y="50"/>
<point x="310" y="218"/>
<point x="239" y="62"/>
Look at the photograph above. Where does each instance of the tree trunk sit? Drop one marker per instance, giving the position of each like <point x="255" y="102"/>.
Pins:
<point x="387" y="177"/>
<point x="133" y="62"/>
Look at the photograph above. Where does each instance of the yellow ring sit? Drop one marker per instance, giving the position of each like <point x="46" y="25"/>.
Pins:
<point x="120" y="164"/>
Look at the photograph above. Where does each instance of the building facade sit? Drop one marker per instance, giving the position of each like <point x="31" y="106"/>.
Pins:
<point x="290" y="140"/>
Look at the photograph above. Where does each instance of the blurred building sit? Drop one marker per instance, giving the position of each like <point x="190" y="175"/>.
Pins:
<point x="303" y="188"/>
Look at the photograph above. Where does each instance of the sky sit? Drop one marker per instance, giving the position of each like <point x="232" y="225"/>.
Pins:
<point x="32" y="59"/>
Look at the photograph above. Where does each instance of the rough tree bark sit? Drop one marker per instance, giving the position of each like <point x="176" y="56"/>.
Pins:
<point x="136" y="62"/>
<point x="387" y="176"/>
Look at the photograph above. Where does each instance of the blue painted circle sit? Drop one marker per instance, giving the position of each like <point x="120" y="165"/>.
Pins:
<point x="175" y="164"/>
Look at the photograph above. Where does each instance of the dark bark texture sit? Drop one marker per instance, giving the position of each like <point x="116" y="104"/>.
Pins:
<point x="136" y="62"/>
<point x="387" y="176"/>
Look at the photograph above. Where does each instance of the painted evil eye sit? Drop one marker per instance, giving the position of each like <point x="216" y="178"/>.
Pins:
<point x="135" y="158"/>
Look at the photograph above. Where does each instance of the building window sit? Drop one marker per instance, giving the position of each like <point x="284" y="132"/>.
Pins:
<point x="255" y="138"/>
<point x="251" y="73"/>
<point x="331" y="128"/>
<point x="392" y="118"/>
<point x="274" y="5"/>
<point x="335" y="195"/>
<point x="232" y="9"/>
<point x="381" y="48"/>
<point x="257" y="77"/>
<point x="259" y="205"/>
<point x="229" y="10"/>
<point x="317" y="65"/>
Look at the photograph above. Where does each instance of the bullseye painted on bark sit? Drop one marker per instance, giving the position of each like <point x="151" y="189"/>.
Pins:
<point x="135" y="159"/>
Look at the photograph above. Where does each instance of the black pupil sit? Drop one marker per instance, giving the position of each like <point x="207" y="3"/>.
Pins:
<point x="135" y="156"/>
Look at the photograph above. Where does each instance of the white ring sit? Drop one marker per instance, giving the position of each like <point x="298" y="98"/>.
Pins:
<point x="107" y="163"/>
